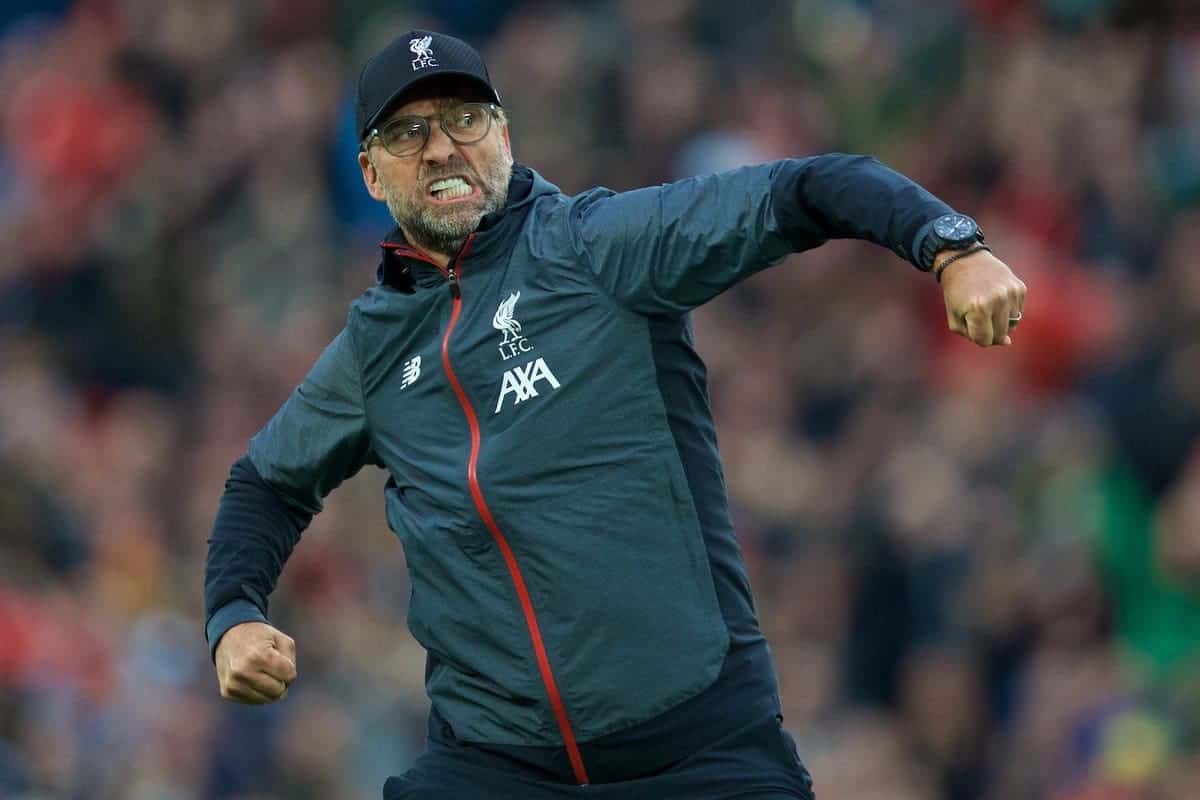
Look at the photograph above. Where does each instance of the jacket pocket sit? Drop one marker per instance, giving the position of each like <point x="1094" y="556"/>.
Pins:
<point x="461" y="609"/>
<point x="471" y="540"/>
<point x="620" y="578"/>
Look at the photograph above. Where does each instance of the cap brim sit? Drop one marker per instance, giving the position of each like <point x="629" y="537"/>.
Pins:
<point x="405" y="93"/>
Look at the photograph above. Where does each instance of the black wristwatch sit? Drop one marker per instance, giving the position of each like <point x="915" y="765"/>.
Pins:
<point x="949" y="232"/>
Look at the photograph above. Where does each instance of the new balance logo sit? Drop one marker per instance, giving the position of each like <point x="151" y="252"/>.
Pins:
<point x="521" y="382"/>
<point x="412" y="371"/>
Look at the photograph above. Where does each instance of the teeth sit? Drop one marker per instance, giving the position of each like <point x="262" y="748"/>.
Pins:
<point x="448" y="188"/>
<point x="446" y="183"/>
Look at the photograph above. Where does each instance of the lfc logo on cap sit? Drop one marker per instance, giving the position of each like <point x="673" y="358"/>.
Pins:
<point x="424" y="56"/>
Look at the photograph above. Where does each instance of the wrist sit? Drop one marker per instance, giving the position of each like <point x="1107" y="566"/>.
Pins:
<point x="945" y="258"/>
<point x="228" y="616"/>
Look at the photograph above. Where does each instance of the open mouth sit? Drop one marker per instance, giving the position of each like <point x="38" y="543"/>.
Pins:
<point x="449" y="190"/>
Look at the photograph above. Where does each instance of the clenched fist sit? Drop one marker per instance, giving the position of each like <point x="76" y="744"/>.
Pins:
<point x="255" y="663"/>
<point x="983" y="297"/>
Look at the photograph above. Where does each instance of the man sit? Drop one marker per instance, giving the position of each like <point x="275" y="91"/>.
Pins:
<point x="524" y="372"/>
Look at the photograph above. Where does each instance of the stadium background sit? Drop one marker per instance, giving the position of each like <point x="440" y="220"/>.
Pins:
<point x="980" y="570"/>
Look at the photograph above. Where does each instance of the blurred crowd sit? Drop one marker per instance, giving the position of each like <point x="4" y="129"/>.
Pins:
<point x="979" y="569"/>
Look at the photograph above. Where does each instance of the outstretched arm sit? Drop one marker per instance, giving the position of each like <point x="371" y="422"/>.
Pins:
<point x="670" y="248"/>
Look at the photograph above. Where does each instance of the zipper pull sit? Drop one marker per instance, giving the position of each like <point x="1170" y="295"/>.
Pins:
<point x="455" y="289"/>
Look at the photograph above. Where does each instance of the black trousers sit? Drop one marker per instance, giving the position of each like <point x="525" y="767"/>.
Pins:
<point x="757" y="762"/>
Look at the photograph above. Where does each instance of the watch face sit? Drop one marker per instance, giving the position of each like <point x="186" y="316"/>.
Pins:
<point x="955" y="227"/>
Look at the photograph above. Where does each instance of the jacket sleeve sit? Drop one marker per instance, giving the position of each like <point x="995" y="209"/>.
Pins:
<point x="670" y="248"/>
<point x="318" y="439"/>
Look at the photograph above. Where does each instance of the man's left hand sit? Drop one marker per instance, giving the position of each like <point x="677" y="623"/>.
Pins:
<point x="983" y="297"/>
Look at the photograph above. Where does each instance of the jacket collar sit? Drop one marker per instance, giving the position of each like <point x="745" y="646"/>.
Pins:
<point x="404" y="268"/>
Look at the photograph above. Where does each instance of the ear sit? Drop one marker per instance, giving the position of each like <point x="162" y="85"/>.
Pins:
<point x="370" y="177"/>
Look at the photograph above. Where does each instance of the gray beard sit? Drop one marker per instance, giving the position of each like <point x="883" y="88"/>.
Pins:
<point x="434" y="230"/>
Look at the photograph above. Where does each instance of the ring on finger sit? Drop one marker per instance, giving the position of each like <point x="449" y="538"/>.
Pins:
<point x="1013" y="319"/>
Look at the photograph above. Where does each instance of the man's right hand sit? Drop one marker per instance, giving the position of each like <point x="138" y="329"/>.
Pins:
<point x="255" y="663"/>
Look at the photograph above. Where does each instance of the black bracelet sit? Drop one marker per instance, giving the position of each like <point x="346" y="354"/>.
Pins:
<point x="975" y="248"/>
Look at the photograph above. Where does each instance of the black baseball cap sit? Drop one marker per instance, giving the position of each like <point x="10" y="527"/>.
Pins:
<point x="412" y="59"/>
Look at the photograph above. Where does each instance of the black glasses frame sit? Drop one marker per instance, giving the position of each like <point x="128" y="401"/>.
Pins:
<point x="488" y="110"/>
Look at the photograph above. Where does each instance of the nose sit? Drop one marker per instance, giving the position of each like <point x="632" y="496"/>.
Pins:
<point x="440" y="148"/>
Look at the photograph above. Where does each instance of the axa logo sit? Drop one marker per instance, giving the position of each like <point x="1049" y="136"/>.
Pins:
<point x="512" y="342"/>
<point x="424" y="56"/>
<point x="522" y="382"/>
<point x="410" y="372"/>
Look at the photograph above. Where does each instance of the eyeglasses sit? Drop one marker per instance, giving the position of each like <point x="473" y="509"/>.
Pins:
<point x="464" y="123"/>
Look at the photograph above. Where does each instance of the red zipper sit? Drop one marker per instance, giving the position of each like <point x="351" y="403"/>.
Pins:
<point x="510" y="560"/>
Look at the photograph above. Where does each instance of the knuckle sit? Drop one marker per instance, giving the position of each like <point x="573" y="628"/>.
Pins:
<point x="241" y="666"/>
<point x="980" y="304"/>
